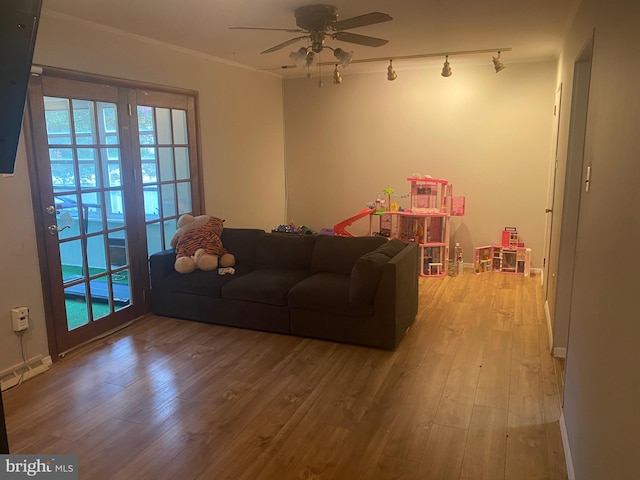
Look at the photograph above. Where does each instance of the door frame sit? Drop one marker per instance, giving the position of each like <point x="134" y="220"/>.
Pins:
<point x="32" y="129"/>
<point x="573" y="190"/>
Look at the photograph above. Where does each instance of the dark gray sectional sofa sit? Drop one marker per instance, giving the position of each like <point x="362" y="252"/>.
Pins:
<point x="360" y="290"/>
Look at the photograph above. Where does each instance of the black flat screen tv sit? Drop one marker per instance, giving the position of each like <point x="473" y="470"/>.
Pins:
<point x="18" y="28"/>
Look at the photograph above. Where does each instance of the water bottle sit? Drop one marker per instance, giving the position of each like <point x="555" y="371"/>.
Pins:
<point x="458" y="259"/>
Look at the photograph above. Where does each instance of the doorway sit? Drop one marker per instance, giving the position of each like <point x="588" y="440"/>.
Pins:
<point x="558" y="298"/>
<point x="112" y="167"/>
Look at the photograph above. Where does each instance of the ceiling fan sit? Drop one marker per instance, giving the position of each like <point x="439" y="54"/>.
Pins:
<point x="318" y="22"/>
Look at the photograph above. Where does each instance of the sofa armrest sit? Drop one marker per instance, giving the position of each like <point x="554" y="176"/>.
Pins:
<point x="161" y="264"/>
<point x="396" y="299"/>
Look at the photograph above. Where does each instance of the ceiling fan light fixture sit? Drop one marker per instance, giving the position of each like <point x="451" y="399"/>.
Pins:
<point x="309" y="59"/>
<point x="337" y="79"/>
<point x="391" y="73"/>
<point x="497" y="63"/>
<point x="446" y="69"/>
<point x="343" y="56"/>
<point x="299" y="57"/>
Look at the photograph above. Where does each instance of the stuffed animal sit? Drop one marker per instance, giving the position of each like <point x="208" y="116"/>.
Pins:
<point x="198" y="244"/>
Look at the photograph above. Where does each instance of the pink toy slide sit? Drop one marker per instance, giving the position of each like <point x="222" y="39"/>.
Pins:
<point x="341" y="228"/>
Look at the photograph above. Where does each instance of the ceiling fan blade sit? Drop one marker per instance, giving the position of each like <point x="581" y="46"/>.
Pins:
<point x="359" y="39"/>
<point x="284" y="44"/>
<point x="290" y="30"/>
<point x="361" y="21"/>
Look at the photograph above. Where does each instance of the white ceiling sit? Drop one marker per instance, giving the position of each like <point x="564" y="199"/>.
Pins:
<point x="533" y="29"/>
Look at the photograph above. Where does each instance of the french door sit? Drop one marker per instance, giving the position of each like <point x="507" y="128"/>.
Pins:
<point x="113" y="167"/>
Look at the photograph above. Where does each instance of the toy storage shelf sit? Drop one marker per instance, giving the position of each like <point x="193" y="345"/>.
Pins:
<point x="498" y="258"/>
<point x="426" y="223"/>
<point x="430" y="231"/>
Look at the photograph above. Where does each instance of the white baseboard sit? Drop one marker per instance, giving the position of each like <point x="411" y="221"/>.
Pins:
<point x="547" y="315"/>
<point x="571" y="475"/>
<point x="560" y="352"/>
<point x="12" y="376"/>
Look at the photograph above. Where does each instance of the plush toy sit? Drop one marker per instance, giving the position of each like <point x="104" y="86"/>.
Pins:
<point x="198" y="244"/>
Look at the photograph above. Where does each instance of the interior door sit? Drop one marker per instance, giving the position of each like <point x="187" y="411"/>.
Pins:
<point x="551" y="194"/>
<point x="86" y="184"/>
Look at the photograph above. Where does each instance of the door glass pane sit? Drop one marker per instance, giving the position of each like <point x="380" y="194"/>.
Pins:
<point x="146" y="125"/>
<point x="71" y="260"/>
<point x="149" y="165"/>
<point x="166" y="164"/>
<point x="88" y="168"/>
<point x="76" y="305"/>
<point x="100" y="306"/>
<point x="84" y="122"/>
<point x="118" y="253"/>
<point x="92" y="212"/>
<point x="57" y="120"/>
<point x="168" y="200"/>
<point x="112" y="166"/>
<point x="169" y="229"/>
<point x="108" y="121"/>
<point x="115" y="210"/>
<point x="182" y="163"/>
<point x="63" y="173"/>
<point x="163" y="121"/>
<point x="121" y="289"/>
<point x="151" y="203"/>
<point x="154" y="240"/>
<point x="66" y="216"/>
<point x="96" y="255"/>
<point x="179" y="127"/>
<point x="184" y="198"/>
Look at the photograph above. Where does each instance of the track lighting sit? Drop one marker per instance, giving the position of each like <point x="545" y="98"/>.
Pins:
<point x="337" y="79"/>
<point x="446" y="69"/>
<point x="497" y="63"/>
<point x="305" y="57"/>
<point x="391" y="73"/>
<point x="343" y="57"/>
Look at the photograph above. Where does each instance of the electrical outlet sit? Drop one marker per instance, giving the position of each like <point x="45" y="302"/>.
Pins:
<point x="20" y="318"/>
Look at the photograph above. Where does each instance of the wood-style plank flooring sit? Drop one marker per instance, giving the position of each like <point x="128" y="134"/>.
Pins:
<point x="471" y="392"/>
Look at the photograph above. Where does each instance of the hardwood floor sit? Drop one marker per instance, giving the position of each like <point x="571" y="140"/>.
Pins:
<point x="471" y="392"/>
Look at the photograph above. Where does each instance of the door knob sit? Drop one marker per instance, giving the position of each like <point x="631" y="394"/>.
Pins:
<point x="547" y="210"/>
<point x="53" y="229"/>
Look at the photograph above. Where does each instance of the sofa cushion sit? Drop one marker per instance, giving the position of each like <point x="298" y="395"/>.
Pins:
<point x="241" y="242"/>
<point x="265" y="285"/>
<point x="207" y="284"/>
<point x="337" y="254"/>
<point x="365" y="277"/>
<point x="284" y="251"/>
<point x="326" y="292"/>
<point x="391" y="248"/>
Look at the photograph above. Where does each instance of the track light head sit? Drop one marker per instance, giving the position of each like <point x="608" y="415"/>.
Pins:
<point x="497" y="63"/>
<point x="391" y="73"/>
<point x="446" y="69"/>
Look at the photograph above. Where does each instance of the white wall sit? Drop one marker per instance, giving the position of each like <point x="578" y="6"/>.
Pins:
<point x="489" y="134"/>
<point x="241" y="130"/>
<point x="602" y="380"/>
<point x="20" y="279"/>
